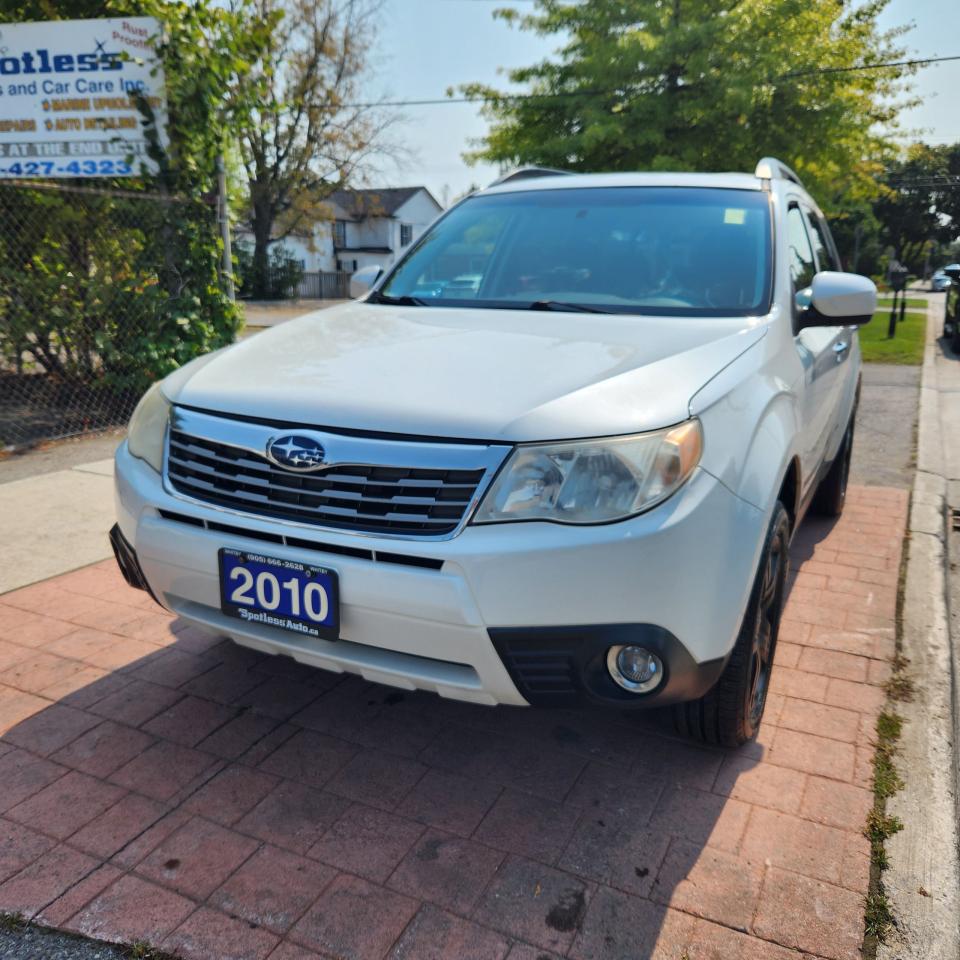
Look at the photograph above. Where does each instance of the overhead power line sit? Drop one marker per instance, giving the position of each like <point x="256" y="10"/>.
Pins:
<point x="870" y="66"/>
<point x="926" y="183"/>
<point x="566" y="94"/>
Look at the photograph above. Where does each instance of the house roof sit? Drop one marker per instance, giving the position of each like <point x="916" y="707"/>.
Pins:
<point x="375" y="202"/>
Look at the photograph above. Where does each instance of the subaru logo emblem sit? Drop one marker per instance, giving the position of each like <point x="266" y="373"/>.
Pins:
<point x="295" y="452"/>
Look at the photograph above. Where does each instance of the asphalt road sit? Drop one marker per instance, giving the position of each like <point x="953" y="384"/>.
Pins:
<point x="60" y="455"/>
<point x="32" y="943"/>
<point x="885" y="438"/>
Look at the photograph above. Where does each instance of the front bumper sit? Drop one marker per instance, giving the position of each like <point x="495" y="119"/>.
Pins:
<point x="508" y="613"/>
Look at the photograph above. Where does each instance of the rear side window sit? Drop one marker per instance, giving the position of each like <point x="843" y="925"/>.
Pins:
<point x="802" y="263"/>
<point x="822" y="243"/>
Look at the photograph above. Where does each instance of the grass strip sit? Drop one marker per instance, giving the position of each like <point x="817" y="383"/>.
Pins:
<point x="906" y="346"/>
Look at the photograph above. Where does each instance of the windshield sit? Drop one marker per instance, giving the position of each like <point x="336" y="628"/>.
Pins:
<point x="681" y="251"/>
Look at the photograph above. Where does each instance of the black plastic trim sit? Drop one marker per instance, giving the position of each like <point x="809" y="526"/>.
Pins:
<point x="181" y="518"/>
<point x="357" y="552"/>
<point x="240" y="532"/>
<point x="566" y="666"/>
<point x="378" y="556"/>
<point x="429" y="563"/>
<point x="128" y="563"/>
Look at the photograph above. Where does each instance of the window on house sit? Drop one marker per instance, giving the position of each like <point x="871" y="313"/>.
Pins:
<point x="406" y="234"/>
<point x="340" y="233"/>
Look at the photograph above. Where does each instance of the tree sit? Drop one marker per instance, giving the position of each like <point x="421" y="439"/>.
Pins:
<point x="306" y="138"/>
<point x="856" y="231"/>
<point x="702" y="85"/>
<point x="919" y="205"/>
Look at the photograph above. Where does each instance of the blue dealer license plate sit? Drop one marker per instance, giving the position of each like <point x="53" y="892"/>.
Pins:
<point x="280" y="593"/>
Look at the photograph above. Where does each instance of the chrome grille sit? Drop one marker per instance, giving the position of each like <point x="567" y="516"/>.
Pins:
<point x="370" y="498"/>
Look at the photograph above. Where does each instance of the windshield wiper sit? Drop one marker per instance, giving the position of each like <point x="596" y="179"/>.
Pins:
<point x="404" y="301"/>
<point x="561" y="306"/>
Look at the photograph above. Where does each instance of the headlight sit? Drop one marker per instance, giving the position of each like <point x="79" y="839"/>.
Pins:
<point x="148" y="426"/>
<point x="593" y="481"/>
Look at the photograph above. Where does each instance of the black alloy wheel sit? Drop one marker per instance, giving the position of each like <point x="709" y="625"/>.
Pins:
<point x="767" y="623"/>
<point x="831" y="495"/>
<point x="730" y="713"/>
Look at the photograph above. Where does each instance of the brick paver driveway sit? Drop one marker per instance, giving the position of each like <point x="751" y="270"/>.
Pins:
<point x="160" y="785"/>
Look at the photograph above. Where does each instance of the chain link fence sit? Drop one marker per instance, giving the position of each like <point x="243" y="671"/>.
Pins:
<point x="88" y="292"/>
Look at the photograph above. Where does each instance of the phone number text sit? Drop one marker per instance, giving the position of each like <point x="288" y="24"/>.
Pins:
<point x="75" y="168"/>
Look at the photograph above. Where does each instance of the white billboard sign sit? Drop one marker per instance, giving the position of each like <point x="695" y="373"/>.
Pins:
<point x="68" y="92"/>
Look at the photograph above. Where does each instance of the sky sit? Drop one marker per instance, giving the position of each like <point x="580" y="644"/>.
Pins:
<point x="426" y="46"/>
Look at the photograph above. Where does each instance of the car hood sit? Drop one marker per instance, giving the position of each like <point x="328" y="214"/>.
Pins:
<point x="468" y="373"/>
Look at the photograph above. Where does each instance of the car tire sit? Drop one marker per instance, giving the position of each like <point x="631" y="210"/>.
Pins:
<point x="730" y="713"/>
<point x="831" y="495"/>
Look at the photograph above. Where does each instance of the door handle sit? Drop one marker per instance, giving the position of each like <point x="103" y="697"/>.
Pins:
<point x="839" y="349"/>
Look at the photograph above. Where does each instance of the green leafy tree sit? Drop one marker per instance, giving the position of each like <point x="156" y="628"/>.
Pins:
<point x="856" y="231"/>
<point x="702" y="85"/>
<point x="284" y="271"/>
<point x="919" y="207"/>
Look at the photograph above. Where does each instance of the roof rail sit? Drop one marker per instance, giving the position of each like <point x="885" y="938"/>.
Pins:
<point x="527" y="173"/>
<point x="770" y="168"/>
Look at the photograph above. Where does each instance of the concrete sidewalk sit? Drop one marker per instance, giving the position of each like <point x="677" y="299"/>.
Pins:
<point x="55" y="522"/>
<point x="923" y="880"/>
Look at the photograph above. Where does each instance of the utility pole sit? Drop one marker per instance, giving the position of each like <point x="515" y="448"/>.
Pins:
<point x="223" y="218"/>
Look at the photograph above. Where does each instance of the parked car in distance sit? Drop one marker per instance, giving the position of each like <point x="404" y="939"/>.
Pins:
<point x="939" y="282"/>
<point x="554" y="457"/>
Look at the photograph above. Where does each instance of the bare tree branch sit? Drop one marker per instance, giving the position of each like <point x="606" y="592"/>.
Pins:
<point x="301" y="144"/>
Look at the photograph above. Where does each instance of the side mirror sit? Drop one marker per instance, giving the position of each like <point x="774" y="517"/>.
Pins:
<point x="838" y="299"/>
<point x="364" y="279"/>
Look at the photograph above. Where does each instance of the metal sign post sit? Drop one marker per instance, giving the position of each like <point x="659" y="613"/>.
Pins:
<point x="898" y="280"/>
<point x="223" y="218"/>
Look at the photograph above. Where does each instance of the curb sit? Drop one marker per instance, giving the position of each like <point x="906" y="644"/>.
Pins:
<point x="923" y="881"/>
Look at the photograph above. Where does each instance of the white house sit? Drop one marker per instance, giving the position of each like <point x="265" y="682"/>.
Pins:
<point x="365" y="227"/>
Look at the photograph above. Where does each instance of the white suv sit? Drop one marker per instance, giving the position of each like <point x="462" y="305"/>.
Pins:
<point x="571" y="480"/>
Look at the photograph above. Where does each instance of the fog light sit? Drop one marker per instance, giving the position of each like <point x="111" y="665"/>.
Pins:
<point x="634" y="668"/>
